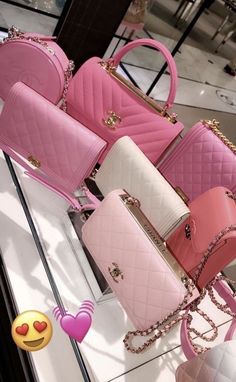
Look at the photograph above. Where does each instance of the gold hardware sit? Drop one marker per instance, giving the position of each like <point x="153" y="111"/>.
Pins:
<point x="111" y="69"/>
<point x="34" y="162"/>
<point x="181" y="193"/>
<point x="214" y="126"/>
<point x="154" y="237"/>
<point x="115" y="272"/>
<point x="112" y="120"/>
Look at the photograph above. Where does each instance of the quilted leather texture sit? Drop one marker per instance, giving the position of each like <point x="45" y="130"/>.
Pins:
<point x="199" y="162"/>
<point x="221" y="213"/>
<point x="31" y="125"/>
<point x="216" y="365"/>
<point x="126" y="167"/>
<point x="149" y="290"/>
<point x="93" y="93"/>
<point x="34" y="65"/>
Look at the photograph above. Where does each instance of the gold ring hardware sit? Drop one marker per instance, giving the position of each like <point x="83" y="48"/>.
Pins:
<point x="115" y="272"/>
<point x="112" y="120"/>
<point x="34" y="162"/>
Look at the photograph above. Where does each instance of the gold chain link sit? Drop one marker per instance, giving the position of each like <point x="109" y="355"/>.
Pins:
<point x="213" y="125"/>
<point x="162" y="330"/>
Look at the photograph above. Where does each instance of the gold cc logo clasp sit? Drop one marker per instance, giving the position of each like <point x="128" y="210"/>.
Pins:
<point x="112" y="120"/>
<point x="34" y="162"/>
<point x="115" y="272"/>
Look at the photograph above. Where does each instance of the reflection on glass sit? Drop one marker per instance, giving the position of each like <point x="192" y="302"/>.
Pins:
<point x="51" y="6"/>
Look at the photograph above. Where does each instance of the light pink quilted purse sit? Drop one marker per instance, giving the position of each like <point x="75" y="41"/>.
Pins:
<point x="216" y="365"/>
<point x="37" y="61"/>
<point x="35" y="132"/>
<point x="204" y="159"/>
<point x="150" y="284"/>
<point x="105" y="102"/>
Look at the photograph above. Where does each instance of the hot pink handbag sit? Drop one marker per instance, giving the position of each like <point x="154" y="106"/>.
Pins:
<point x="204" y="159"/>
<point x="35" y="132"/>
<point x="37" y="61"/>
<point x="105" y="102"/>
<point x="210" y="213"/>
<point x="150" y="284"/>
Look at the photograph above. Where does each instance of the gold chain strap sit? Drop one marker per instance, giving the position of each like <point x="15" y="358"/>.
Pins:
<point x="15" y="34"/>
<point x="213" y="125"/>
<point x="162" y="330"/>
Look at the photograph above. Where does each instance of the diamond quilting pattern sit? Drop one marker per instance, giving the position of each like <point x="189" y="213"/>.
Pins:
<point x="149" y="289"/>
<point x="216" y="365"/>
<point x="100" y="94"/>
<point x="200" y="162"/>
<point x="31" y="125"/>
<point x="127" y="167"/>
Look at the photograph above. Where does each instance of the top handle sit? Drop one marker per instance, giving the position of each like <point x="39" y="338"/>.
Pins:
<point x="115" y="60"/>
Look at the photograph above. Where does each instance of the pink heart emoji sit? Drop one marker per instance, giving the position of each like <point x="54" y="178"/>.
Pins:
<point x="76" y="327"/>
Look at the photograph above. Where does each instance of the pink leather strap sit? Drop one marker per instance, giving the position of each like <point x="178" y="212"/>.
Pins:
<point x="165" y="52"/>
<point x="51" y="186"/>
<point x="226" y="294"/>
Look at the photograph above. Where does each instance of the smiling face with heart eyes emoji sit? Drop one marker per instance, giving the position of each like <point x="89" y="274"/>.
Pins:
<point x="31" y="330"/>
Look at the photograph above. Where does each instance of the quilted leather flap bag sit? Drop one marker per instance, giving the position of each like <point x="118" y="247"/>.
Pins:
<point x="150" y="284"/>
<point x="126" y="167"/>
<point x="216" y="365"/>
<point x="204" y="159"/>
<point x="112" y="107"/>
<point x="210" y="213"/>
<point x="35" y="132"/>
<point x="37" y="61"/>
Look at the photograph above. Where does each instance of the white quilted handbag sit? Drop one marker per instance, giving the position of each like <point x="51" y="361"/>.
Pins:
<point x="215" y="365"/>
<point x="126" y="167"/>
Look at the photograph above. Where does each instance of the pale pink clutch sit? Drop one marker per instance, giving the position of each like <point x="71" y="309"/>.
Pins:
<point x="204" y="159"/>
<point x="146" y="278"/>
<point x="54" y="148"/>
<point x="210" y="212"/>
<point x="112" y="107"/>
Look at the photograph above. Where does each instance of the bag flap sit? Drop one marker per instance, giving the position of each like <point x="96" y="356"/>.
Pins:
<point x="48" y="138"/>
<point x="209" y="214"/>
<point x="126" y="167"/>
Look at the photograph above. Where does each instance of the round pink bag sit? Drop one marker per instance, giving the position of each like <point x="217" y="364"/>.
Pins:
<point x="37" y="61"/>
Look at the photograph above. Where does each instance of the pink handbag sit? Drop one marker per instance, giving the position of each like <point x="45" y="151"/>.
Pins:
<point x="37" y="61"/>
<point x="204" y="159"/>
<point x="216" y="365"/>
<point x="105" y="102"/>
<point x="62" y="151"/>
<point x="210" y="213"/>
<point x="150" y="284"/>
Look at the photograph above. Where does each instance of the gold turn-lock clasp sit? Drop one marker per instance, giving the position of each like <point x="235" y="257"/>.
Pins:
<point x="115" y="272"/>
<point x="112" y="120"/>
<point x="33" y="161"/>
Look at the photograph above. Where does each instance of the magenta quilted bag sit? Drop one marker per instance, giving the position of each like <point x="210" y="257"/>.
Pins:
<point x="54" y="148"/>
<point x="37" y="61"/>
<point x="204" y="159"/>
<point x="112" y="107"/>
